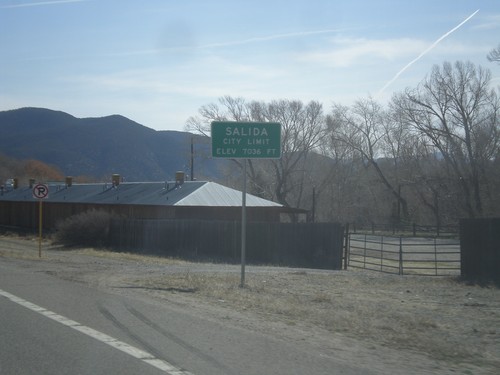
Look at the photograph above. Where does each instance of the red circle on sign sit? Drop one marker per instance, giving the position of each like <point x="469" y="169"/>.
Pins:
<point x="40" y="191"/>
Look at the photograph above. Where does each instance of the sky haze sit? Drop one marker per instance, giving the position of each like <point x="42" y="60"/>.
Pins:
<point x="158" y="61"/>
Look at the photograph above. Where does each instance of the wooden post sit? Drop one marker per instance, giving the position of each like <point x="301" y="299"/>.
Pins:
<point x="346" y="246"/>
<point x="40" y="223"/>
<point x="400" y="255"/>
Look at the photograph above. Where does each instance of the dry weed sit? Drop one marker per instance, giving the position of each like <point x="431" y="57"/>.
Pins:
<point x="149" y="259"/>
<point x="416" y="313"/>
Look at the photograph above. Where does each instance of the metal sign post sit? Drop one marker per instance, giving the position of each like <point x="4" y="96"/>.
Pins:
<point x="40" y="192"/>
<point x="243" y="224"/>
<point x="40" y="226"/>
<point x="245" y="140"/>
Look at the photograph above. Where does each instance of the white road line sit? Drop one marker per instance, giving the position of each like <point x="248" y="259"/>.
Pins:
<point x="102" y="337"/>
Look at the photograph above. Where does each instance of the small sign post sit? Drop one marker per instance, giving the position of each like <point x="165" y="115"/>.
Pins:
<point x="245" y="140"/>
<point x="40" y="192"/>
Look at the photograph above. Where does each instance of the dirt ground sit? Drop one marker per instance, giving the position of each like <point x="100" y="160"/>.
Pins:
<point x="435" y="325"/>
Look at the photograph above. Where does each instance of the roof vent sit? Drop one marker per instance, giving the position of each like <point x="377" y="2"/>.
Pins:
<point x="115" y="178"/>
<point x="179" y="177"/>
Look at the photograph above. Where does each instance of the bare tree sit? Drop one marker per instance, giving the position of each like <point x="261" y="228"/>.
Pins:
<point x="281" y="179"/>
<point x="457" y="113"/>
<point x="494" y="55"/>
<point x="301" y="128"/>
<point x="365" y="128"/>
<point x="228" y="109"/>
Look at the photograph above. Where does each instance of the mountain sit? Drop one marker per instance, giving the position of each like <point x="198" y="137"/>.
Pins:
<point x="99" y="147"/>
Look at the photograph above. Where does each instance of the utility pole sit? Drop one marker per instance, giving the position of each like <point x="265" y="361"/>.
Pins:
<point x="192" y="159"/>
<point x="314" y="205"/>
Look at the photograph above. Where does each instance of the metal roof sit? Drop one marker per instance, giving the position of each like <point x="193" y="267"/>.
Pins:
<point x="211" y="192"/>
<point x="190" y="193"/>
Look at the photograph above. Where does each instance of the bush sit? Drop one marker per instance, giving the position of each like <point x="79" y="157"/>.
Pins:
<point x="89" y="228"/>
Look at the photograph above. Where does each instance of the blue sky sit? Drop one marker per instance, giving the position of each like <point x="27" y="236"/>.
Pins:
<point x="158" y="61"/>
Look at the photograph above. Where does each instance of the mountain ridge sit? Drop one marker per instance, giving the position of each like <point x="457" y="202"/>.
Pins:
<point x="101" y="146"/>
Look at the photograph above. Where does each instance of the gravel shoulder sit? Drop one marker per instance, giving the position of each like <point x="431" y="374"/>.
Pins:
<point x="387" y="323"/>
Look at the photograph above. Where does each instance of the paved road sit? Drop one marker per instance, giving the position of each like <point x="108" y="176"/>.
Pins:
<point x="53" y="326"/>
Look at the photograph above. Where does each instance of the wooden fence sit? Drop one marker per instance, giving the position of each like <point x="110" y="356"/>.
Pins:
<point x="480" y="244"/>
<point x="310" y="245"/>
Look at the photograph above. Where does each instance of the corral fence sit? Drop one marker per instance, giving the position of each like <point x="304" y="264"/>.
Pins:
<point x="413" y="229"/>
<point x="403" y="255"/>
<point x="310" y="245"/>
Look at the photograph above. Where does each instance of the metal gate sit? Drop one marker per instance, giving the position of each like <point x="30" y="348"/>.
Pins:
<point x="404" y="255"/>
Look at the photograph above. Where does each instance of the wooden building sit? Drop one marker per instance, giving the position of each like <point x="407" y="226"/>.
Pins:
<point x="138" y="200"/>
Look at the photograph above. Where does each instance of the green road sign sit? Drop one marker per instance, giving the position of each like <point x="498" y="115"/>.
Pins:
<point x="246" y="140"/>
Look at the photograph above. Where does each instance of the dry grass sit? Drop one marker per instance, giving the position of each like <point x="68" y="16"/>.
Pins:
<point x="439" y="316"/>
<point x="15" y="254"/>
<point x="10" y="246"/>
<point x="149" y="259"/>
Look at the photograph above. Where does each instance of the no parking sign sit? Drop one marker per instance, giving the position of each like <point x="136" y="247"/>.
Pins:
<point x="40" y="191"/>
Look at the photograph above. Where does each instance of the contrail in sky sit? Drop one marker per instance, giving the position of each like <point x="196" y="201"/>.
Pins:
<point x="232" y="43"/>
<point x="272" y="37"/>
<point x="55" y="2"/>
<point x="424" y="53"/>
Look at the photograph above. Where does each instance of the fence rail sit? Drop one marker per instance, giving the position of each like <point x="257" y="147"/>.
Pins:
<point x="414" y="229"/>
<point x="404" y="255"/>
